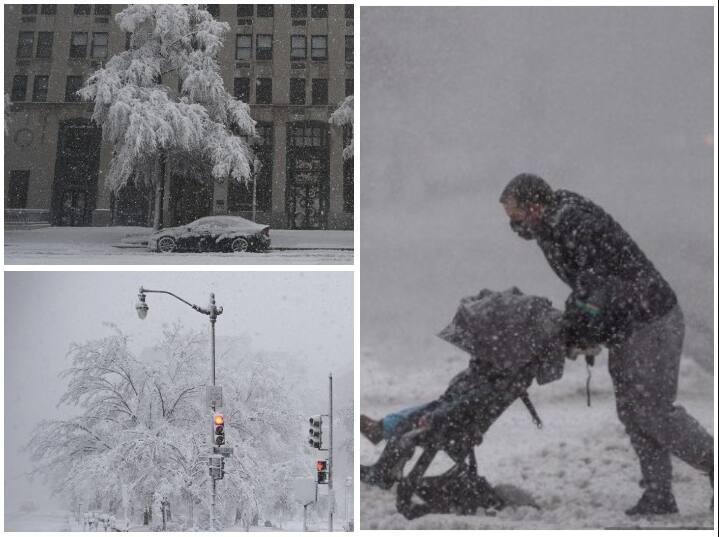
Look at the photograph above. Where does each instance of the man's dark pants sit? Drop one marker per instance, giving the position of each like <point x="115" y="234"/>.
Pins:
<point x="645" y="371"/>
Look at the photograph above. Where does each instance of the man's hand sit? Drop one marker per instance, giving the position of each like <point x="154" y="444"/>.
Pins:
<point x="424" y="422"/>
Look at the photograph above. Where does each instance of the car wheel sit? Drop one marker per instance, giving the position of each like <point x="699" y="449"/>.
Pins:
<point x="239" y="244"/>
<point x="166" y="245"/>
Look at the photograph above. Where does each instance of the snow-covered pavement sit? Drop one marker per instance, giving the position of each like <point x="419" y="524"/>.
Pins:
<point x="97" y="246"/>
<point x="580" y="467"/>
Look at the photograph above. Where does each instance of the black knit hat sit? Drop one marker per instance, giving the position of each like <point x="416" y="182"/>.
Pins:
<point x="527" y="188"/>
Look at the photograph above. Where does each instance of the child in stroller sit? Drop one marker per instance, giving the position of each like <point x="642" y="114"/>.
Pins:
<point x="513" y="339"/>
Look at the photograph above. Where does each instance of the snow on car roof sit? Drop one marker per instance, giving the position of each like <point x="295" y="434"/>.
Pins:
<point x="224" y="219"/>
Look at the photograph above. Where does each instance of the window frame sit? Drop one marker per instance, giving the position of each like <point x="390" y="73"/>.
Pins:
<point x="313" y="48"/>
<point x="241" y="7"/>
<point x="103" y="7"/>
<point x="22" y="46"/>
<point x="295" y="8"/>
<point x="93" y="46"/>
<point x="29" y="9"/>
<point x="13" y="200"/>
<point x="74" y="48"/>
<point x="82" y="10"/>
<point x="318" y="91"/>
<point x="259" y="82"/>
<point x="44" y="46"/>
<point x="48" y="9"/>
<point x="237" y="47"/>
<point x="71" y="97"/>
<point x="293" y="48"/>
<point x="319" y="11"/>
<point x="294" y="94"/>
<point x="39" y="94"/>
<point x="349" y="38"/>
<point x="14" y="91"/>
<point x="349" y="86"/>
<point x="263" y="53"/>
<point x="236" y="84"/>
<point x="268" y="11"/>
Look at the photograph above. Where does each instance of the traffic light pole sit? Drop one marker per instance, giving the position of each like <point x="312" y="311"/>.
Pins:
<point x="331" y="469"/>
<point x="213" y="311"/>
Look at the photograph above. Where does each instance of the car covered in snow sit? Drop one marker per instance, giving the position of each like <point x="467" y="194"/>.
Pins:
<point x="212" y="234"/>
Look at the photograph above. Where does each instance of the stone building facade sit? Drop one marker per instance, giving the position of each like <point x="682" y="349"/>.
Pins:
<point x="293" y="63"/>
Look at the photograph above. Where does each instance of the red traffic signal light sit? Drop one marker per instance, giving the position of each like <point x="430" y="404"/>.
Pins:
<point x="322" y="472"/>
<point x="321" y="466"/>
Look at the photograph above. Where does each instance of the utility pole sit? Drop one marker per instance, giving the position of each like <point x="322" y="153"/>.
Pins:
<point x="214" y="312"/>
<point x="331" y="466"/>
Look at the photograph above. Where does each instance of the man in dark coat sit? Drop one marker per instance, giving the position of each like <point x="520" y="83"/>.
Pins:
<point x="619" y="300"/>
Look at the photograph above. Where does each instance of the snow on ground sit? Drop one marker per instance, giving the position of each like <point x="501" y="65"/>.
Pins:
<point x="95" y="246"/>
<point x="580" y="467"/>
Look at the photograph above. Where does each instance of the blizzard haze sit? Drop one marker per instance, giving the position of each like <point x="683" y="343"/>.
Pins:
<point x="304" y="317"/>
<point x="613" y="103"/>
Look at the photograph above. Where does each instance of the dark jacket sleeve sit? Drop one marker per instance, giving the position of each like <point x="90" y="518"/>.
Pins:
<point x="596" y="311"/>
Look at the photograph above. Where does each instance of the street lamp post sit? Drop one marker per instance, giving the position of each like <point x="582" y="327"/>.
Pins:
<point x="213" y="311"/>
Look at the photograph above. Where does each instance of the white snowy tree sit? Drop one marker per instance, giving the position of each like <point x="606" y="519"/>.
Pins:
<point x="155" y="131"/>
<point x="142" y="433"/>
<point x="344" y="117"/>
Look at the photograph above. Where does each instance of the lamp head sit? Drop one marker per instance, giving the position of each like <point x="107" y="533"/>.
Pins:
<point x="141" y="306"/>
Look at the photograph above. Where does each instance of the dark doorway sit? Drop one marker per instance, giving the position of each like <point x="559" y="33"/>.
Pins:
<point x="307" y="175"/>
<point x="76" y="170"/>
<point x="190" y="199"/>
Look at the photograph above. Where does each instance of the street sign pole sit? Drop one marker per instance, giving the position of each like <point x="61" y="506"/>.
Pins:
<point x="331" y="469"/>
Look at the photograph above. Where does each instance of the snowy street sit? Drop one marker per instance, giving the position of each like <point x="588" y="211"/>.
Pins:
<point x="579" y="468"/>
<point x="98" y="246"/>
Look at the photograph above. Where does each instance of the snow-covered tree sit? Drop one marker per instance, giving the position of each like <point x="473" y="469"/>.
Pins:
<point x="156" y="131"/>
<point x="141" y="436"/>
<point x="344" y="117"/>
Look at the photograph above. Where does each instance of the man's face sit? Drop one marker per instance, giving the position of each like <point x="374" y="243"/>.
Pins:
<point x="524" y="220"/>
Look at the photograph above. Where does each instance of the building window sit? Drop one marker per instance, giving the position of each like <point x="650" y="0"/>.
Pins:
<point x="39" y="88"/>
<point x="306" y="135"/>
<point x="103" y="10"/>
<point x="19" y="88"/>
<point x="242" y="89"/>
<point x="48" y="9"/>
<point x="265" y="10"/>
<point x="17" y="189"/>
<point x="245" y="10"/>
<point x="82" y="9"/>
<point x="128" y="40"/>
<point x="78" y="45"/>
<point x="297" y="91"/>
<point x="299" y="11"/>
<point x="263" y="91"/>
<point x="29" y="9"/>
<point x="44" y="45"/>
<point x="349" y="48"/>
<point x="73" y="84"/>
<point x="25" y="41"/>
<point x="349" y="86"/>
<point x="214" y="10"/>
<point x="319" y="91"/>
<point x="264" y="47"/>
<point x="349" y="11"/>
<point x="99" y="44"/>
<point x="319" y="47"/>
<point x="243" y="50"/>
<point x="298" y="49"/>
<point x="319" y="11"/>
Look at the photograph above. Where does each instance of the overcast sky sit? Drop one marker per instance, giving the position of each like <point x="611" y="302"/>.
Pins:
<point x="307" y="314"/>
<point x="613" y="103"/>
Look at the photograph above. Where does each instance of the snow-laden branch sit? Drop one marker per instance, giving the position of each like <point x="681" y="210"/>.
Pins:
<point x="344" y="117"/>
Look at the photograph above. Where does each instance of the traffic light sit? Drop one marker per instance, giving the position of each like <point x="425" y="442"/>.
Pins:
<point x="322" y="472"/>
<point x="218" y="426"/>
<point x="315" y="438"/>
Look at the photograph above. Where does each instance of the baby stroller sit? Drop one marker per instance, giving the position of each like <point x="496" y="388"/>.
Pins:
<point x="513" y="339"/>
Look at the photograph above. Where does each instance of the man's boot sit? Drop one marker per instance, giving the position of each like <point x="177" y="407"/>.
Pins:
<point x="656" y="500"/>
